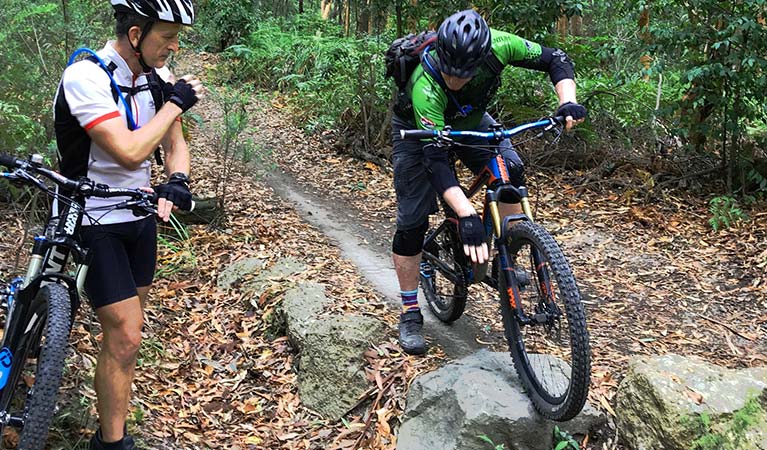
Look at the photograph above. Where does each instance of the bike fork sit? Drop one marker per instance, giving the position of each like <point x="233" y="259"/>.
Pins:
<point x="512" y="284"/>
<point x="544" y="279"/>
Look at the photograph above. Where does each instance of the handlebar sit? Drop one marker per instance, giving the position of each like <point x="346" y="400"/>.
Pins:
<point x="9" y="161"/>
<point x="25" y="171"/>
<point x="493" y="134"/>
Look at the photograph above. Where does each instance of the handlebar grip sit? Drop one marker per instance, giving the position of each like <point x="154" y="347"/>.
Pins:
<point x="9" y="161"/>
<point x="418" y="134"/>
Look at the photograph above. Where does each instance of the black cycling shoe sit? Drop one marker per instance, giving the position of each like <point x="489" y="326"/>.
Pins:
<point x="97" y="444"/>
<point x="410" y="335"/>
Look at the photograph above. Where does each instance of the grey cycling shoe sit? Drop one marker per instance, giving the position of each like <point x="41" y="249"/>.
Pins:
<point x="410" y="333"/>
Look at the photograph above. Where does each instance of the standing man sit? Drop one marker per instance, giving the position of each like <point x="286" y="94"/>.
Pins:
<point x="96" y="139"/>
<point x="453" y="86"/>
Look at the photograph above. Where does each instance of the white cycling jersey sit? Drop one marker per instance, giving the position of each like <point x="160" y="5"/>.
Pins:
<point x="83" y="100"/>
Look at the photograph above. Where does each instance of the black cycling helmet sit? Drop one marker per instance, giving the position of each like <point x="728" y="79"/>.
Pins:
<point x="463" y="42"/>
<point x="173" y="11"/>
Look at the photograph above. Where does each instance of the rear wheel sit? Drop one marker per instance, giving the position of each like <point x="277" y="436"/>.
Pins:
<point x="443" y="280"/>
<point x="551" y="354"/>
<point x="39" y="399"/>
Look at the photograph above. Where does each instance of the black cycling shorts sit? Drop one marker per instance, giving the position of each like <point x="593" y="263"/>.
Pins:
<point x="122" y="257"/>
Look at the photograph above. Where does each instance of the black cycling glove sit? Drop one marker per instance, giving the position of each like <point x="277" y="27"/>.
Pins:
<point x="471" y="230"/>
<point x="183" y="95"/>
<point x="176" y="190"/>
<point x="571" y="109"/>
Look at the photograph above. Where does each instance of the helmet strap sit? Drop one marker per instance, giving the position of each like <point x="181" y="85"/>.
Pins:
<point x="137" y="49"/>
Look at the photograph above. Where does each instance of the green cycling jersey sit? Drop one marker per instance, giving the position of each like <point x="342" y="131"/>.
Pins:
<point x="433" y="108"/>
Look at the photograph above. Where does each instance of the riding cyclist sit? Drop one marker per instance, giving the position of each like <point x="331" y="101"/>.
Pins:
<point x="453" y="87"/>
<point x="98" y="138"/>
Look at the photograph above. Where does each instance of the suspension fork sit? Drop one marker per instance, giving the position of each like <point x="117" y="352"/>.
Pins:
<point x="539" y="260"/>
<point x="505" y="269"/>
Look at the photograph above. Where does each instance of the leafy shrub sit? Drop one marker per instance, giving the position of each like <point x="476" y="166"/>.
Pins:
<point x="726" y="212"/>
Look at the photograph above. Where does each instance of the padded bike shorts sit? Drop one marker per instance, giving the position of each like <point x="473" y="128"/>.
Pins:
<point x="122" y="257"/>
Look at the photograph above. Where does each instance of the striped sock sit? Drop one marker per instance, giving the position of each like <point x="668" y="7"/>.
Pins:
<point x="409" y="301"/>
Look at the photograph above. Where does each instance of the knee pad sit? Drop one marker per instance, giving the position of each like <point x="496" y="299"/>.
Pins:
<point x="409" y="242"/>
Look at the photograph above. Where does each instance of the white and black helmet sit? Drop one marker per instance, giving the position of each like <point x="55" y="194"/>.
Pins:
<point x="174" y="11"/>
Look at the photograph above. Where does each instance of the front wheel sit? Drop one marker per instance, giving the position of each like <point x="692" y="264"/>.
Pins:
<point x="40" y="399"/>
<point x="545" y="323"/>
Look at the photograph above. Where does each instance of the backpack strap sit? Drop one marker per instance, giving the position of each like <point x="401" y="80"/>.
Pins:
<point x="428" y="63"/>
<point x="495" y="64"/>
<point x="155" y="86"/>
<point x="115" y="88"/>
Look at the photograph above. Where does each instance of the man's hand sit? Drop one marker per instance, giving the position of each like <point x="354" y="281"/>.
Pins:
<point x="185" y="92"/>
<point x="174" y="193"/>
<point x="472" y="233"/>
<point x="572" y="112"/>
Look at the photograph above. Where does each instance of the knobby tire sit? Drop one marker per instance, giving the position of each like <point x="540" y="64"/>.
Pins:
<point x="40" y="403"/>
<point x="569" y="404"/>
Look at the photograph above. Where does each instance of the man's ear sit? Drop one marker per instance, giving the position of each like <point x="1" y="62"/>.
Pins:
<point x="134" y="35"/>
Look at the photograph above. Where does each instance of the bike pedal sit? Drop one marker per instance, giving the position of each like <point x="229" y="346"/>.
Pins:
<point x="426" y="270"/>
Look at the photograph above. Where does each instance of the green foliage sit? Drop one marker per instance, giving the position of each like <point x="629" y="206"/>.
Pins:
<point x="564" y="441"/>
<point x="730" y="435"/>
<point x="725" y="212"/>
<point x="326" y="73"/>
<point x="179" y="245"/>
<point x="150" y="352"/>
<point x="35" y="41"/>
<point x="720" y="49"/>
<point x="223" y="22"/>
<point x="493" y="445"/>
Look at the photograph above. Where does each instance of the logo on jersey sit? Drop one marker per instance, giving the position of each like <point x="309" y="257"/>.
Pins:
<point x="529" y="45"/>
<point x="426" y="123"/>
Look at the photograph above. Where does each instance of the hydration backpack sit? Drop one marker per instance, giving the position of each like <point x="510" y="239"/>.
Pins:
<point x="404" y="55"/>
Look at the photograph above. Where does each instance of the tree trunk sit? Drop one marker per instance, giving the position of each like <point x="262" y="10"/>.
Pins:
<point x="300" y="6"/>
<point x="347" y="17"/>
<point x="325" y="7"/>
<point x="412" y="21"/>
<point x="66" y="26"/>
<point x="363" y="17"/>
<point x="206" y="211"/>
<point x="576" y="25"/>
<point x="562" y="26"/>
<point x="398" y="14"/>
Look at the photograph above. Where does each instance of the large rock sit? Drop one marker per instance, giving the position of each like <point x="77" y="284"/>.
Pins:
<point x="331" y="376"/>
<point x="237" y="271"/>
<point x="480" y="395"/>
<point x="299" y="308"/>
<point x="672" y="402"/>
<point x="254" y="276"/>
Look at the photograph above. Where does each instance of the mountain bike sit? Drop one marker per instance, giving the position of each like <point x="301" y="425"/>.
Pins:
<point x="539" y="299"/>
<point x="40" y="307"/>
